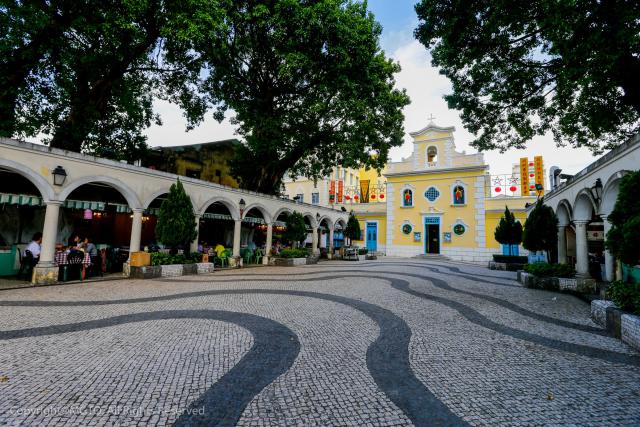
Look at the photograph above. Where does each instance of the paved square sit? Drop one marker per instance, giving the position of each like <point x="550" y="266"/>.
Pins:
<point x="388" y="342"/>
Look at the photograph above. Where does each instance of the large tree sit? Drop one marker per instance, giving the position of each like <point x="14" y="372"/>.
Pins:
<point x="509" y="230"/>
<point x="541" y="229"/>
<point x="176" y="225"/>
<point x="523" y="68"/>
<point x="93" y="87"/>
<point x="309" y="85"/>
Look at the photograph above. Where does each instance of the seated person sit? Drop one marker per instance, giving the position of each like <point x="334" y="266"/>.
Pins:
<point x="34" y="247"/>
<point x="219" y="250"/>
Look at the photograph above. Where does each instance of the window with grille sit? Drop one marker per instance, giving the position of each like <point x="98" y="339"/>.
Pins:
<point x="431" y="194"/>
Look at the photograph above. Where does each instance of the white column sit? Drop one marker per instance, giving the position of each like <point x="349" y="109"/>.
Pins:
<point x="582" y="251"/>
<point x="194" y="244"/>
<point x="330" y="240"/>
<point x="314" y="240"/>
<point x="49" y="234"/>
<point x="136" y="231"/>
<point x="236" y="237"/>
<point x="268" y="244"/>
<point x="562" y="244"/>
<point x="609" y="262"/>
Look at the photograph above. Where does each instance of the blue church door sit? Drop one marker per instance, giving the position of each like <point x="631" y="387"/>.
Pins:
<point x="372" y="236"/>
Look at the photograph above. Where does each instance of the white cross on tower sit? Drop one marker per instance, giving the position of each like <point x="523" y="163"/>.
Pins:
<point x="431" y="118"/>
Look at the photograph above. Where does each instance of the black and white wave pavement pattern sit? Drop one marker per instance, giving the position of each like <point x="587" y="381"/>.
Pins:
<point x="394" y="342"/>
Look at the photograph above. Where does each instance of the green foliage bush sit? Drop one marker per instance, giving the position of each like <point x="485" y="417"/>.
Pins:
<point x="543" y="269"/>
<point x="622" y="239"/>
<point x="625" y="295"/>
<point x="296" y="230"/>
<point x="541" y="229"/>
<point x="509" y="230"/>
<point x="294" y="253"/>
<point x="176" y="221"/>
<point x="158" y="258"/>
<point x="352" y="230"/>
<point x="363" y="251"/>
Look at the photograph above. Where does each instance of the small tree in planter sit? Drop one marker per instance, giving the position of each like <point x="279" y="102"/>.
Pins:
<point x="622" y="239"/>
<point x="541" y="229"/>
<point x="509" y="230"/>
<point x="176" y="224"/>
<point x="296" y="231"/>
<point x="352" y="230"/>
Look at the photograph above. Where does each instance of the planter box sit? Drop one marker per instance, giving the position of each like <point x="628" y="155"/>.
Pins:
<point x="630" y="330"/>
<point x="505" y="266"/>
<point x="362" y="257"/>
<point x="204" y="267"/>
<point x="579" y="285"/>
<point x="173" y="270"/>
<point x="607" y="315"/>
<point x="291" y="262"/>
<point x="371" y="257"/>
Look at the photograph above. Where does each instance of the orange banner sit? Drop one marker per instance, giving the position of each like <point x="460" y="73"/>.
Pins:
<point x="340" y="191"/>
<point x="332" y="191"/>
<point x="524" y="176"/>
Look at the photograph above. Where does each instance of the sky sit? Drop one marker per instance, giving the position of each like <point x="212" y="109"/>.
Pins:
<point x="424" y="85"/>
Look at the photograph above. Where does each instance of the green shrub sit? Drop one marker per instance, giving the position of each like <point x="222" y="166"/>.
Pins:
<point x="158" y="258"/>
<point x="294" y="253"/>
<point x="542" y="269"/>
<point x="363" y="251"/>
<point x="510" y="259"/>
<point x="625" y="295"/>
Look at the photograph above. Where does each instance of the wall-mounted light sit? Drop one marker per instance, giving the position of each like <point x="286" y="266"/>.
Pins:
<point x="596" y="191"/>
<point x="242" y="204"/>
<point x="318" y="217"/>
<point x="59" y="176"/>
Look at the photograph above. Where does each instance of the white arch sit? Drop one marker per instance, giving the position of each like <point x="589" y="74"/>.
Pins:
<point x="330" y="222"/>
<point x="45" y="189"/>
<point x="341" y="222"/>
<point x="127" y="193"/>
<point x="610" y="192"/>
<point x="281" y="211"/>
<point x="312" y="219"/>
<point x="260" y="207"/>
<point x="159" y="193"/>
<point x="563" y="212"/>
<point x="584" y="206"/>
<point x="233" y="209"/>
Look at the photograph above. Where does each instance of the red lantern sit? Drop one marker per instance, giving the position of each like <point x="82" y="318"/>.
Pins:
<point x="513" y="188"/>
<point x="531" y="175"/>
<point x="373" y="196"/>
<point x="498" y="189"/>
<point x="530" y="163"/>
<point x="347" y="197"/>
<point x="382" y="196"/>
<point x="356" y="197"/>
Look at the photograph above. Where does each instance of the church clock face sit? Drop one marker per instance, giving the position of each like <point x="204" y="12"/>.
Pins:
<point x="406" y="229"/>
<point x="459" y="229"/>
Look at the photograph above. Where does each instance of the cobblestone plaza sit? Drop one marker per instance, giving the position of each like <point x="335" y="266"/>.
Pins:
<point x="388" y="342"/>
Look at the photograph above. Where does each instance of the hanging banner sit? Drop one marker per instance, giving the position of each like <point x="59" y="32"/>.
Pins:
<point x="524" y="176"/>
<point x="332" y="191"/>
<point x="539" y="172"/>
<point x="364" y="191"/>
<point x="340" y="190"/>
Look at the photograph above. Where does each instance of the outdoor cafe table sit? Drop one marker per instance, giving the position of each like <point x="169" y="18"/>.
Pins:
<point x="61" y="260"/>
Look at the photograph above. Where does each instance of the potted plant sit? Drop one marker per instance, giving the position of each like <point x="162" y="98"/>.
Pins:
<point x="362" y="254"/>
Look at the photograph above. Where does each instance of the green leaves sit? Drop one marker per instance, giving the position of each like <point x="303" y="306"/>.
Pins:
<point x="541" y="229"/>
<point x="508" y="231"/>
<point x="176" y="224"/>
<point x="309" y="85"/>
<point x="622" y="239"/>
<point x="352" y="230"/>
<point x="521" y="69"/>
<point x="296" y="230"/>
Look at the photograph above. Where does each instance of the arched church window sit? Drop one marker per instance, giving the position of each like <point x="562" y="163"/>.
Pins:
<point x="458" y="195"/>
<point x="407" y="198"/>
<point x="432" y="154"/>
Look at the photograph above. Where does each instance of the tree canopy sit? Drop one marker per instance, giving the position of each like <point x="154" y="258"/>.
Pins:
<point x="352" y="230"/>
<point x="296" y="230"/>
<point x="509" y="230"/>
<point x="309" y="85"/>
<point x="622" y="239"/>
<point x="176" y="221"/>
<point x="85" y="73"/>
<point x="521" y="69"/>
<point x="541" y="229"/>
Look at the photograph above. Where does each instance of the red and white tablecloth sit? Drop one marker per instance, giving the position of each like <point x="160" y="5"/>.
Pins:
<point x="61" y="259"/>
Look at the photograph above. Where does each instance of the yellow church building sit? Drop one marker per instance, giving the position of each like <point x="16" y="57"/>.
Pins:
<point x="439" y="201"/>
<point x="436" y="201"/>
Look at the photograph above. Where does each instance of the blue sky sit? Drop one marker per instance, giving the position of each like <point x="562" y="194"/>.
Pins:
<point x="423" y="83"/>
